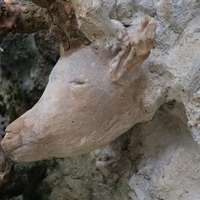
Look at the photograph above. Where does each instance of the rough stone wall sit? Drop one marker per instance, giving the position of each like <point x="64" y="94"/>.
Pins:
<point x="157" y="159"/>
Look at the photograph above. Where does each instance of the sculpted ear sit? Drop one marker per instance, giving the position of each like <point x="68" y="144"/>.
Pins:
<point x="134" y="50"/>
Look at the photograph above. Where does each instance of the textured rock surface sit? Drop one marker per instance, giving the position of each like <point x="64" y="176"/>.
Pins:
<point x="158" y="159"/>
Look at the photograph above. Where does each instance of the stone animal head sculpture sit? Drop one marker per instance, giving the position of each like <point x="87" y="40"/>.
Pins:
<point x="90" y="100"/>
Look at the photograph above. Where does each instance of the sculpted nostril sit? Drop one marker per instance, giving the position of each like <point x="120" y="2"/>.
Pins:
<point x="11" y="142"/>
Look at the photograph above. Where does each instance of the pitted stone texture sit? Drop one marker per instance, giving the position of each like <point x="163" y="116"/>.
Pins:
<point x="166" y="159"/>
<point x="183" y="64"/>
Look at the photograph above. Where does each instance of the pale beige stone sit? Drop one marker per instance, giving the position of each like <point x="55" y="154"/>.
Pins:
<point x="87" y="103"/>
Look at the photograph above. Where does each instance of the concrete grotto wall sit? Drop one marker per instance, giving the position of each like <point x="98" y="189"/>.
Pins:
<point x="158" y="159"/>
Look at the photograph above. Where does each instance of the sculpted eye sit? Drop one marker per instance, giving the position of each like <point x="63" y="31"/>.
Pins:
<point x="78" y="82"/>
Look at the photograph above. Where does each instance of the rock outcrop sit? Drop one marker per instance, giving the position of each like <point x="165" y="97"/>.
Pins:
<point x="158" y="158"/>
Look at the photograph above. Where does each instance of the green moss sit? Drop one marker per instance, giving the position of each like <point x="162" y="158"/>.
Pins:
<point x="1" y="98"/>
<point x="16" y="96"/>
<point x="2" y="109"/>
<point x="12" y="113"/>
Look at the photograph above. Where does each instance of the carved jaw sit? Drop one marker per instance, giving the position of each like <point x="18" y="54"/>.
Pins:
<point x="19" y="135"/>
